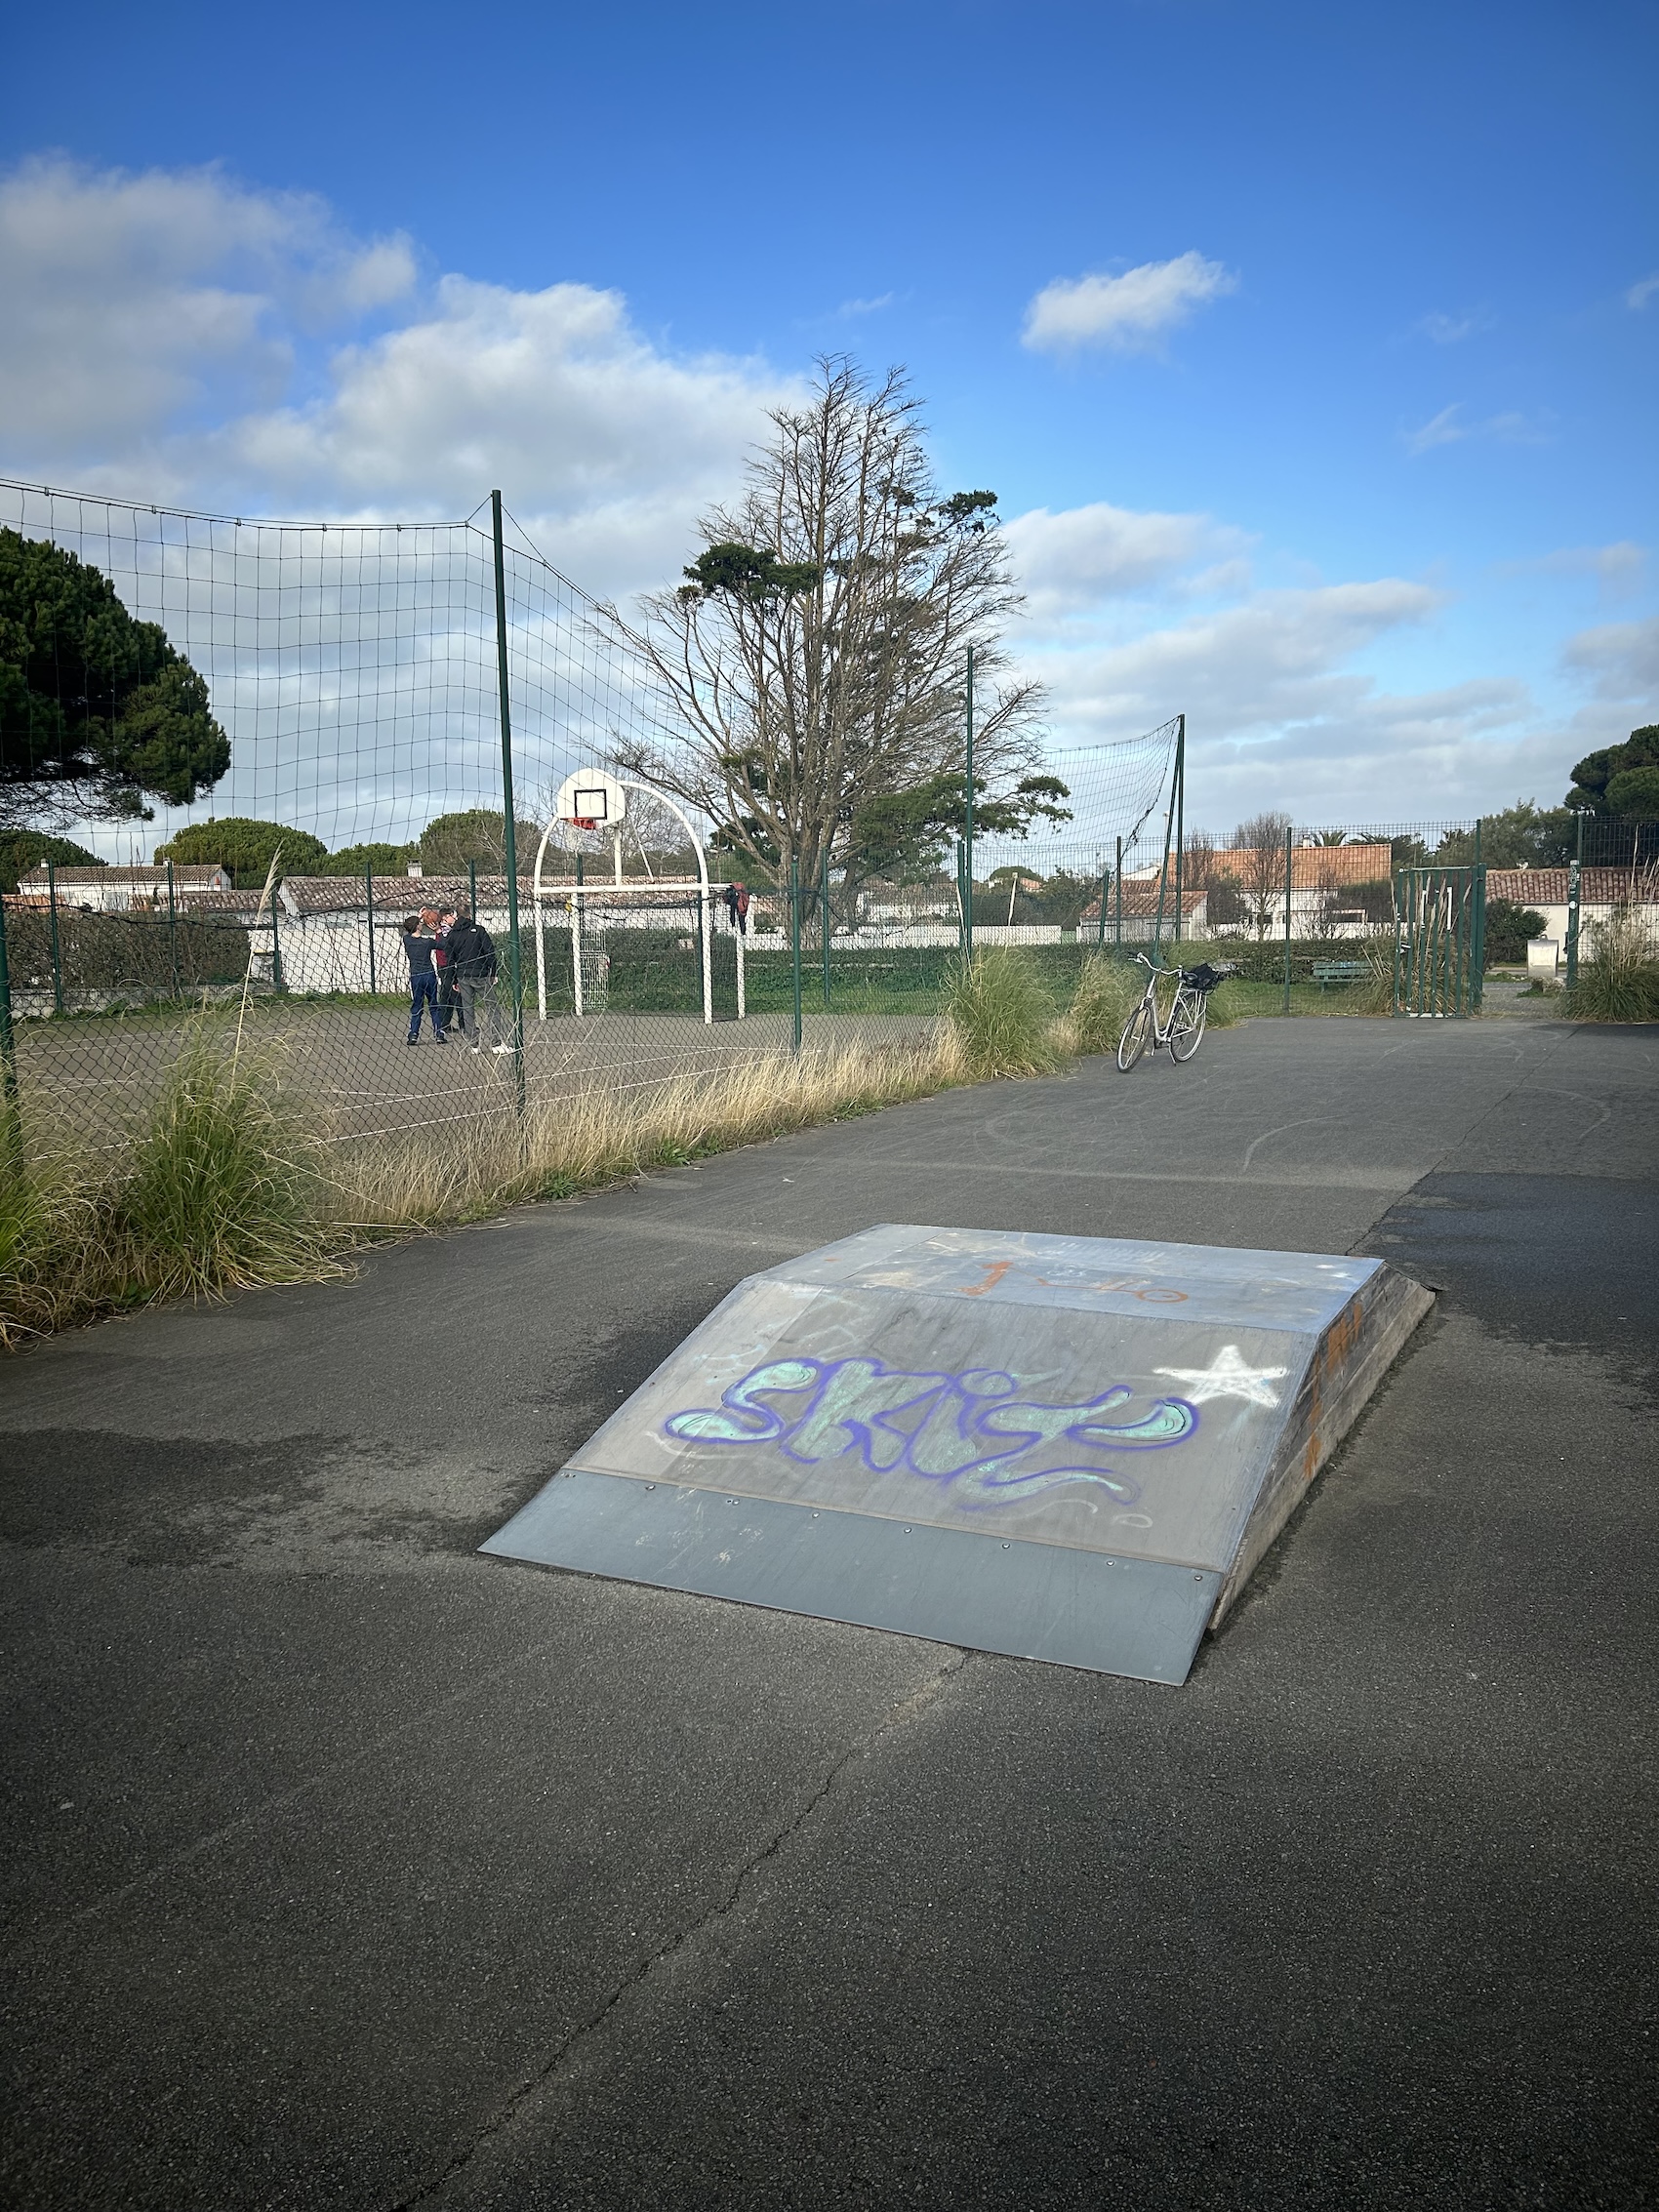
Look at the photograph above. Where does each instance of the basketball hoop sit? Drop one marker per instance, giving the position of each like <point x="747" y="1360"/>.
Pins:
<point x="591" y="799"/>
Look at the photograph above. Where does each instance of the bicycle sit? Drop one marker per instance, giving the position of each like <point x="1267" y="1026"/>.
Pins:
<point x="1183" y="1032"/>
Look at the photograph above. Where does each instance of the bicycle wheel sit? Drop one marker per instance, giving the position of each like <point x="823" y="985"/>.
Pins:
<point x="1187" y="1025"/>
<point x="1137" y="1035"/>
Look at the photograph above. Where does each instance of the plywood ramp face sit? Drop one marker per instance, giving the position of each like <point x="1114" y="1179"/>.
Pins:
<point x="1072" y="1449"/>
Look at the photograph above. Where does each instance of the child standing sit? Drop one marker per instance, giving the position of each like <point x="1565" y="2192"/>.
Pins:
<point x="419" y="944"/>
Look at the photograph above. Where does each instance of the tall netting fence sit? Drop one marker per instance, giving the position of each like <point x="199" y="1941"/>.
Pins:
<point x="373" y="805"/>
<point x="1415" y="919"/>
<point x="355" y="671"/>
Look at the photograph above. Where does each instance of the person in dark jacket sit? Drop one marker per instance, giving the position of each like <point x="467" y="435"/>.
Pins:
<point x="472" y="964"/>
<point x="449" y="1003"/>
<point x="419" y="945"/>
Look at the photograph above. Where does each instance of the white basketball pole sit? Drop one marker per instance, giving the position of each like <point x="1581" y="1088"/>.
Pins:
<point x="541" y="947"/>
<point x="675" y="808"/>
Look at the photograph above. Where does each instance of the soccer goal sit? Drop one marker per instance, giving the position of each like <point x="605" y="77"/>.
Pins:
<point x="594" y="801"/>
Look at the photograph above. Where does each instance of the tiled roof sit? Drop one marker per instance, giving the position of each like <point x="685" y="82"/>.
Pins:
<point x="1312" y="867"/>
<point x="1140" y="900"/>
<point x="146" y="878"/>
<point x="1597" y="886"/>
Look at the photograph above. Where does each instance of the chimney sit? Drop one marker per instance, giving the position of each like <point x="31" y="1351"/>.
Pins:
<point x="414" y="867"/>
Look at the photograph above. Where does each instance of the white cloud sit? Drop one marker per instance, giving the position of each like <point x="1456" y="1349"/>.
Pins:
<point x="851" y="309"/>
<point x="130" y="299"/>
<point x="1618" y="568"/>
<point x="1640" y="294"/>
<point x="1072" y="561"/>
<point x="178" y="336"/>
<point x="1128" y="313"/>
<point x="1621" y="657"/>
<point x="1450" y="427"/>
<point x="608" y="447"/>
<point x="1452" y="330"/>
<point x="1277" y="715"/>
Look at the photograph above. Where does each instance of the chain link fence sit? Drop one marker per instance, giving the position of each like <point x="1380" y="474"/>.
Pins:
<point x="407" y="703"/>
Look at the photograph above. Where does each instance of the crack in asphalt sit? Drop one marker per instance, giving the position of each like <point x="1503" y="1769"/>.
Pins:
<point x="558" y="2061"/>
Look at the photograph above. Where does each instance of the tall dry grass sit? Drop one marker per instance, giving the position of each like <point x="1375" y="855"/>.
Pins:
<point x="1001" y="1015"/>
<point x="1619" y="979"/>
<point x="220" y="1185"/>
<point x="1107" y="993"/>
<point x="597" y="1137"/>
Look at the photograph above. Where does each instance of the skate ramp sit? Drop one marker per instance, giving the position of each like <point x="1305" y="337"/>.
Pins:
<point x="1074" y="1449"/>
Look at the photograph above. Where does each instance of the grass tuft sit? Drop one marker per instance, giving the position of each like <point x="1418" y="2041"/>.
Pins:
<point x="1619" y="980"/>
<point x="598" y="1137"/>
<point x="1106" y="995"/>
<point x="222" y="1183"/>
<point x="1002" y="1016"/>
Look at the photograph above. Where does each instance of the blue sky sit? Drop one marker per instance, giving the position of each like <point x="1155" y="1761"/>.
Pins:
<point x="1305" y="347"/>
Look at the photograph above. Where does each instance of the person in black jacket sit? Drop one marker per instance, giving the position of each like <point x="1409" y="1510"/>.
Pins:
<point x="449" y="1004"/>
<point x="473" y="965"/>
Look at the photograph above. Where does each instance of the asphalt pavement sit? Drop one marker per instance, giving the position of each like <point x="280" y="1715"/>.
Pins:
<point x="344" y="1867"/>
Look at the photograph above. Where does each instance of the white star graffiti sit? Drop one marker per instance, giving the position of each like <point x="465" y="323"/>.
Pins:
<point x="1227" y="1378"/>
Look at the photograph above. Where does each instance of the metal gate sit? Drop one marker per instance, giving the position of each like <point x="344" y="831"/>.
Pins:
<point x="1440" y="941"/>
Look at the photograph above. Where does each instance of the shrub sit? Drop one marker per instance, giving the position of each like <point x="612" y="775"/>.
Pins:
<point x="21" y="851"/>
<point x="1002" y="1016"/>
<point x="244" y="847"/>
<point x="221" y="1188"/>
<point x="1509" y="928"/>
<point x="358" y="860"/>
<point x="1619" y="980"/>
<point x="1106" y="995"/>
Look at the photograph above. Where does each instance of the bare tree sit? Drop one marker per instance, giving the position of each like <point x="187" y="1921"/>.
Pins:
<point x="814" y="661"/>
<point x="1261" y="842"/>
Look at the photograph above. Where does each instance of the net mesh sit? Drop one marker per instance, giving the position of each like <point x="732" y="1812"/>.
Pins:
<point x="353" y="669"/>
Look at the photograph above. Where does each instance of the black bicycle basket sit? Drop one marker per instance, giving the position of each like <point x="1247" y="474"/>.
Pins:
<point x="1210" y="973"/>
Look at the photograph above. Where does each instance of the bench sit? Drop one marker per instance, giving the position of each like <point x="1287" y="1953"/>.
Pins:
<point x="1326" y="972"/>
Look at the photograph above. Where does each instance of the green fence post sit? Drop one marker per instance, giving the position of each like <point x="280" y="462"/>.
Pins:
<point x="1117" y="897"/>
<point x="1289" y="873"/>
<point x="1573" y="874"/>
<point x="1397" y="1008"/>
<point x="510" y="833"/>
<point x="57" y="956"/>
<point x="1180" y="817"/>
<point x="13" y="1131"/>
<point x="369" y="888"/>
<point x="1478" y="891"/>
<point x="1105" y="887"/>
<point x="968" y="826"/>
<point x="825" y="925"/>
<point x="173" y="931"/>
<point x="795" y="942"/>
<point x="1458" y="954"/>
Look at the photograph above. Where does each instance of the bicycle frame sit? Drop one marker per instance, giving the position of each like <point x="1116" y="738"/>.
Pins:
<point x="1182" y="1032"/>
<point x="1161" y="1030"/>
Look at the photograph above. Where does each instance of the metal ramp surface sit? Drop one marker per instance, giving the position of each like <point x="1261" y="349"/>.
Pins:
<point x="1072" y="1449"/>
